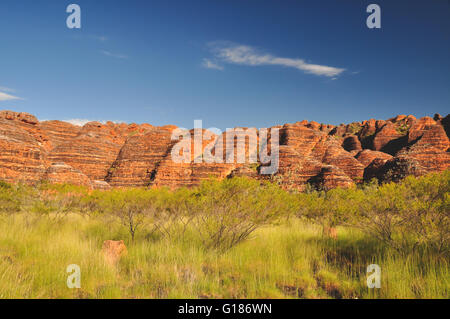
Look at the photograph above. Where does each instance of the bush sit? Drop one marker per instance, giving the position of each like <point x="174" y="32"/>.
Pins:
<point x="227" y="212"/>
<point x="55" y="201"/>
<point x="5" y="185"/>
<point x="130" y="206"/>
<point x="410" y="215"/>
<point x="9" y="201"/>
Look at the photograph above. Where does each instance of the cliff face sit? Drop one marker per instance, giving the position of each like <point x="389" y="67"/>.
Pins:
<point x="22" y="148"/>
<point x="122" y="155"/>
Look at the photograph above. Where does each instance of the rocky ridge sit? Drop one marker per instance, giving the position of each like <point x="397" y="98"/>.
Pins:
<point x="104" y="155"/>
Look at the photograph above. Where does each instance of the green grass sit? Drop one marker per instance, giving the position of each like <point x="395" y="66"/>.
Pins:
<point x="288" y="260"/>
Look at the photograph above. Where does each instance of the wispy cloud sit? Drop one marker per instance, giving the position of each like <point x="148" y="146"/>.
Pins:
<point x="100" y="38"/>
<point x="5" y="89"/>
<point x="114" y="55"/>
<point x="247" y="55"/>
<point x="7" y="97"/>
<point x="207" y="63"/>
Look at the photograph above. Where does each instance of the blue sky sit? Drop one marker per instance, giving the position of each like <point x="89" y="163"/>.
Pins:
<point x="230" y="63"/>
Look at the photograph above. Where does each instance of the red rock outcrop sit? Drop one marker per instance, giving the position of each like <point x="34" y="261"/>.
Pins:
<point x="352" y="143"/>
<point x="173" y="174"/>
<point x="366" y="157"/>
<point x="88" y="152"/>
<point x="105" y="155"/>
<point x="95" y="147"/>
<point x="385" y="137"/>
<point x="113" y="250"/>
<point x="368" y="128"/>
<point x="373" y="161"/>
<point x="61" y="173"/>
<point x="417" y="160"/>
<point x="59" y="132"/>
<point x="331" y="177"/>
<point x="445" y="122"/>
<point x="137" y="162"/>
<point x="335" y="155"/>
<point x="426" y="131"/>
<point x="375" y="169"/>
<point x="304" y="152"/>
<point x="427" y="151"/>
<point x="296" y="166"/>
<point x="22" y="153"/>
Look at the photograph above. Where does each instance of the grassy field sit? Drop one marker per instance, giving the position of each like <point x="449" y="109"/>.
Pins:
<point x="236" y="238"/>
<point x="288" y="260"/>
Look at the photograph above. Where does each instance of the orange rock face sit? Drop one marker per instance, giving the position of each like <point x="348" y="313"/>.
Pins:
<point x="427" y="151"/>
<point x="89" y="153"/>
<point x="59" y="132"/>
<point x="352" y="143"/>
<point x="335" y="155"/>
<point x="22" y="153"/>
<point x="331" y="177"/>
<point x="140" y="156"/>
<point x="366" y="157"/>
<point x="387" y="138"/>
<point x="429" y="133"/>
<point x="373" y="161"/>
<point x="105" y="155"/>
<point x="61" y="173"/>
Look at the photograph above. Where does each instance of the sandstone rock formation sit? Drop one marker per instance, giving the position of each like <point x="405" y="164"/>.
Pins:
<point x="139" y="157"/>
<point x="445" y="122"/>
<point x="366" y="157"/>
<point x="331" y="177"/>
<point x="352" y="143"/>
<point x="113" y="250"/>
<point x="59" y="132"/>
<point x="174" y="175"/>
<point x="105" y="155"/>
<point x="427" y="151"/>
<point x="388" y="139"/>
<point x="22" y="153"/>
<point x="61" y="173"/>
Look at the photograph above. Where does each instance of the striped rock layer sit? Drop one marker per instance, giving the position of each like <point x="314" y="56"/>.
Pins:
<point x="104" y="155"/>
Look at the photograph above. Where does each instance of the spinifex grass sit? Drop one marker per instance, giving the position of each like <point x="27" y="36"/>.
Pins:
<point x="288" y="260"/>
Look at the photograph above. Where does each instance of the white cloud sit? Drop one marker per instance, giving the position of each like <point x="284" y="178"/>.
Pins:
<point x="247" y="55"/>
<point x="114" y="55"/>
<point x="82" y="122"/>
<point x="78" y="122"/>
<point x="6" y="97"/>
<point x="207" y="63"/>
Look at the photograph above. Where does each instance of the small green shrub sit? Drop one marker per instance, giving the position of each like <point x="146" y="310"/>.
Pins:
<point x="5" y="185"/>
<point x="402" y="129"/>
